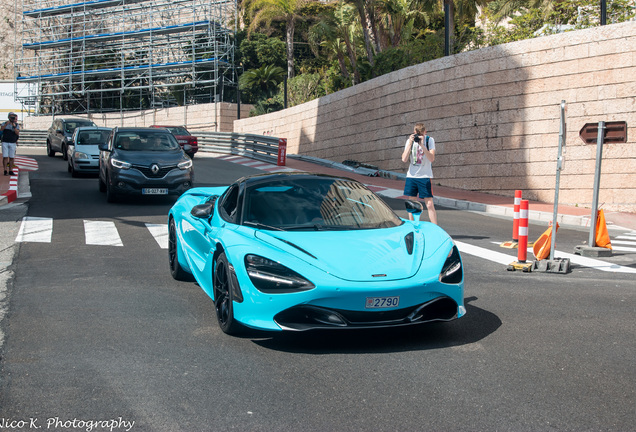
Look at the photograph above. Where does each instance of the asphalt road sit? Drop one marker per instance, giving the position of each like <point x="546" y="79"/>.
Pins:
<point x="104" y="334"/>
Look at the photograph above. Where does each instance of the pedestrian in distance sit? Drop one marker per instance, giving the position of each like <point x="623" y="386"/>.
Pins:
<point x="419" y="152"/>
<point x="10" y="134"/>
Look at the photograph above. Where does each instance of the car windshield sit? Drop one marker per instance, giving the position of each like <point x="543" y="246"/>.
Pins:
<point x="92" y="137"/>
<point x="70" y="126"/>
<point x="315" y="204"/>
<point x="146" y="141"/>
<point x="178" y="131"/>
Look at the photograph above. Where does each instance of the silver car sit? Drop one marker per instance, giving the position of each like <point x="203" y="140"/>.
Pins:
<point x="83" y="149"/>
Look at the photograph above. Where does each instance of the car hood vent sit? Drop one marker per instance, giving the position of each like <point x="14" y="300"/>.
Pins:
<point x="408" y="240"/>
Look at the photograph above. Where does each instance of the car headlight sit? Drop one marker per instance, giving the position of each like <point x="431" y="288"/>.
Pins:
<point x="80" y="155"/>
<point x="120" y="164"/>
<point x="185" y="164"/>
<point x="452" y="272"/>
<point x="273" y="278"/>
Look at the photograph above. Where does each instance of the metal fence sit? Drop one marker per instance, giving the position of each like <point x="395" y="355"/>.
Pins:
<point x="260" y="147"/>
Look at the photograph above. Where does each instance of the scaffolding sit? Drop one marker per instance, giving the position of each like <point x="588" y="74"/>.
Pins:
<point x="117" y="55"/>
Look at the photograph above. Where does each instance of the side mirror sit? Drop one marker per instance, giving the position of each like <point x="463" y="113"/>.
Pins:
<point x="414" y="207"/>
<point x="187" y="148"/>
<point x="103" y="146"/>
<point x="203" y="211"/>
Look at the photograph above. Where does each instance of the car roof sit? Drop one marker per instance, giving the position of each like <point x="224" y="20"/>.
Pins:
<point x="84" y="128"/>
<point x="140" y="129"/>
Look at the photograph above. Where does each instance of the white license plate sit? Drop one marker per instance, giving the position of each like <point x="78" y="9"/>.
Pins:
<point x="154" y="191"/>
<point x="382" y="302"/>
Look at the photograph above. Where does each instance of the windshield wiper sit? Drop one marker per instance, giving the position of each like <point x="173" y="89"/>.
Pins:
<point x="260" y="225"/>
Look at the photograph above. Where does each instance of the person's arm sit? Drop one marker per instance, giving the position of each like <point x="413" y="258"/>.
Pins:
<point x="4" y="125"/>
<point x="16" y="129"/>
<point x="406" y="155"/>
<point x="430" y="154"/>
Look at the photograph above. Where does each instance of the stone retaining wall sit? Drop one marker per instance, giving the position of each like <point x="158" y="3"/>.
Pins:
<point x="494" y="114"/>
<point x="195" y="117"/>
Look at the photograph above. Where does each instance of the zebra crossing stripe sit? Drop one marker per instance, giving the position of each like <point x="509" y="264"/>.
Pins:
<point x="35" y="229"/>
<point x="160" y="233"/>
<point x="101" y="233"/>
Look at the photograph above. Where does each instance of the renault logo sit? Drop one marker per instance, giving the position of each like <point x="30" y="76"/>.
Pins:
<point x="154" y="168"/>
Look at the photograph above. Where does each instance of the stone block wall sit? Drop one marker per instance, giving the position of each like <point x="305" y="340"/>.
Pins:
<point x="195" y="117"/>
<point x="494" y="114"/>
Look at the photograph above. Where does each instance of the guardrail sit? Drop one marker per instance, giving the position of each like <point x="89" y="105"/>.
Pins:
<point x="32" y="138"/>
<point x="260" y="147"/>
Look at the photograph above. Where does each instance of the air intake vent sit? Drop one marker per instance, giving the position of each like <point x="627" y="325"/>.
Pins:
<point x="409" y="240"/>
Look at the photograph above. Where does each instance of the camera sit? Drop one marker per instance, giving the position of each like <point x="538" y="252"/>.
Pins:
<point x="416" y="138"/>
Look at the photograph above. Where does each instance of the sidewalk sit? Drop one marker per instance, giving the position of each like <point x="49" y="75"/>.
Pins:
<point x="13" y="187"/>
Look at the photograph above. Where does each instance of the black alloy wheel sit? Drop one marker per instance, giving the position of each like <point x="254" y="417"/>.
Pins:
<point x="224" y="297"/>
<point x="177" y="272"/>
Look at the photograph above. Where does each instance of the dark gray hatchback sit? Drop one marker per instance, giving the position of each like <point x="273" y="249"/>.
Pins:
<point x="143" y="161"/>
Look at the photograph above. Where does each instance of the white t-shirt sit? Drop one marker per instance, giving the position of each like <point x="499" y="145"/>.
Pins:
<point x="422" y="168"/>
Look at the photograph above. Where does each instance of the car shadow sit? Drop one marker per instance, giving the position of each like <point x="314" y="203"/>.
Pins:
<point x="474" y="326"/>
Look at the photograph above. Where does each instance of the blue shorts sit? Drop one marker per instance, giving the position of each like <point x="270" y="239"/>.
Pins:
<point x="413" y="186"/>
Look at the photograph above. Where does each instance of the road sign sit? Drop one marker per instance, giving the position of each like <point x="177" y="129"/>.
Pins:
<point x="615" y="132"/>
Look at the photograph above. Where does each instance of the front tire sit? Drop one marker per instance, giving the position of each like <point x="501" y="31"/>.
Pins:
<point x="111" y="196"/>
<point x="224" y="297"/>
<point x="49" y="151"/>
<point x="177" y="272"/>
<point x="64" y="152"/>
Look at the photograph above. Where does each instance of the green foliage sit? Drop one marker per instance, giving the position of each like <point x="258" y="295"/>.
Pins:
<point x="261" y="83"/>
<point x="259" y="49"/>
<point x="411" y="53"/>
<point x="303" y="88"/>
<point x="265" y="106"/>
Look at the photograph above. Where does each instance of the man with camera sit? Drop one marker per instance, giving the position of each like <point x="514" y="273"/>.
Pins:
<point x="10" y="135"/>
<point x="419" y="152"/>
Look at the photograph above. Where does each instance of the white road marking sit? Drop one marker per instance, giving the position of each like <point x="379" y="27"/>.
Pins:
<point x="102" y="233"/>
<point x="35" y="229"/>
<point x="484" y="253"/>
<point x="160" y="233"/>
<point x="576" y="259"/>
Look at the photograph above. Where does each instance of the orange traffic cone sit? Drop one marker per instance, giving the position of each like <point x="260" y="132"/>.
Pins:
<point x="541" y="247"/>
<point x="602" y="236"/>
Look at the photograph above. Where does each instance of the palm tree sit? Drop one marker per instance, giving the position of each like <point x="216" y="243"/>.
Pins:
<point x="262" y="81"/>
<point x="396" y="20"/>
<point x="336" y="32"/>
<point x="266" y="11"/>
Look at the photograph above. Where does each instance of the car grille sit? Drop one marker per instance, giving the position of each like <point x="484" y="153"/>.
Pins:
<point x="306" y="317"/>
<point x="145" y="170"/>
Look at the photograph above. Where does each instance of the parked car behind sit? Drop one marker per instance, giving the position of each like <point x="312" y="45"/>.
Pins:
<point x="183" y="137"/>
<point x="83" y="149"/>
<point x="60" y="134"/>
<point x="143" y="161"/>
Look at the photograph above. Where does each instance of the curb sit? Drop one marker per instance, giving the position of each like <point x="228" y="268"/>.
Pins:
<point x="12" y="194"/>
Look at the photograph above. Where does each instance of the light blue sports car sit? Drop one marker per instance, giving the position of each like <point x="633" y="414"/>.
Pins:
<point x="301" y="251"/>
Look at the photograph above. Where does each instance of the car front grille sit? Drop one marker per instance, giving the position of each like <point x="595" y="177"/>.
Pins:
<point x="147" y="171"/>
<point x="307" y="317"/>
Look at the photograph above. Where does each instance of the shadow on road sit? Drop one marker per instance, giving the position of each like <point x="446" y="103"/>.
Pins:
<point x="473" y="327"/>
